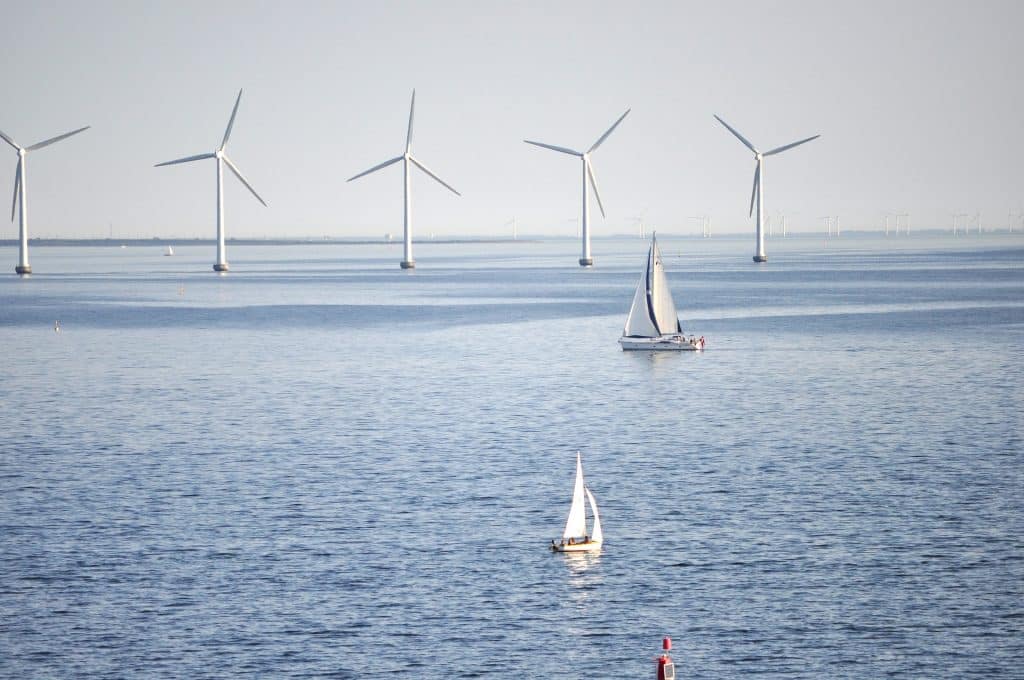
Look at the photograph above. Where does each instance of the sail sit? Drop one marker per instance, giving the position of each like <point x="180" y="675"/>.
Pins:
<point x="653" y="312"/>
<point x="596" y="536"/>
<point x="639" y="323"/>
<point x="663" y="309"/>
<point x="576" y="525"/>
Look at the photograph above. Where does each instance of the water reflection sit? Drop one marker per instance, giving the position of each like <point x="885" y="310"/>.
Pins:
<point x="584" y="574"/>
<point x="660" y="360"/>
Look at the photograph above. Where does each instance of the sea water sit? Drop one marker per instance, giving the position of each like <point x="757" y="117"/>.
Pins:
<point x="321" y="465"/>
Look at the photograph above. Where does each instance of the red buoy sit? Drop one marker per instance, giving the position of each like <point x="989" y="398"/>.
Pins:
<point x="666" y="669"/>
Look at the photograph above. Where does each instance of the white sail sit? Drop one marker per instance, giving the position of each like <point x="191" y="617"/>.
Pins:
<point x="638" y="323"/>
<point x="664" y="309"/>
<point x="576" y="525"/>
<point x="596" y="536"/>
<point x="653" y="312"/>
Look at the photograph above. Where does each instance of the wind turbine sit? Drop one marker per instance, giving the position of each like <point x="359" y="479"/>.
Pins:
<point x="906" y="223"/>
<point x="758" y="190"/>
<point x="639" y="219"/>
<point x="20" y="192"/>
<point x="407" y="157"/>
<point x="588" y="174"/>
<point x="221" y="265"/>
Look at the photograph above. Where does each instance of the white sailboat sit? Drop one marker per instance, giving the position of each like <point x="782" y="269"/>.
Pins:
<point x="575" y="537"/>
<point x="653" y="323"/>
<point x="170" y="251"/>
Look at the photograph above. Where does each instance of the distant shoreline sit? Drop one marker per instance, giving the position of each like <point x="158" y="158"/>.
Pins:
<point x="356" y="241"/>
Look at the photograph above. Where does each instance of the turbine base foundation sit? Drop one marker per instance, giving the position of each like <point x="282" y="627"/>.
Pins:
<point x="23" y="269"/>
<point x="408" y="264"/>
<point x="220" y="267"/>
<point x="586" y="262"/>
<point x="760" y="258"/>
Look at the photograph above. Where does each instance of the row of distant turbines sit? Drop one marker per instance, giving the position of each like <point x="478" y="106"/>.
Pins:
<point x="407" y="158"/>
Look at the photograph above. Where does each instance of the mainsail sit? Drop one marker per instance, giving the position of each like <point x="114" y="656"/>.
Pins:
<point x="653" y="312"/>
<point x="576" y="525"/>
<point x="595" y="535"/>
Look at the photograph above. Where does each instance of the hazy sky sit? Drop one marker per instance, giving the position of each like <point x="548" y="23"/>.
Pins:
<point x="919" y="105"/>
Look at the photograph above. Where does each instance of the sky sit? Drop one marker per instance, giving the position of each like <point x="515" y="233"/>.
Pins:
<point x="918" y="105"/>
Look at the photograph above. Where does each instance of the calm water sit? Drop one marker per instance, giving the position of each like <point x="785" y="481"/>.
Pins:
<point x="320" y="465"/>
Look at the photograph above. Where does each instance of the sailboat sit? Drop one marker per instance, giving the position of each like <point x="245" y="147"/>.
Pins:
<point x="170" y="251"/>
<point x="575" y="537"/>
<point x="653" y="323"/>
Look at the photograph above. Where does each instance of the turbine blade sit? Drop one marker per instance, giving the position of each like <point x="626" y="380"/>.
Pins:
<point x="789" y="146"/>
<point x="200" y="157"/>
<point x="54" y="140"/>
<point x="600" y="141"/>
<point x="753" y="192"/>
<point x="424" y="169"/>
<point x="412" y="108"/>
<point x="556" y="148"/>
<point x="9" y="141"/>
<point x="376" y="168"/>
<point x="738" y="135"/>
<point x="231" y="122"/>
<point x="17" y="187"/>
<point x="238" y="174"/>
<point x="593" y="183"/>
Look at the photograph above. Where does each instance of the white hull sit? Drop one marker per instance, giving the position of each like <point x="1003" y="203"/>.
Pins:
<point x="588" y="546"/>
<point x="675" y="342"/>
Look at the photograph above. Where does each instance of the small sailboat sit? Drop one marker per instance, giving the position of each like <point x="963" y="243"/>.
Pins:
<point x="575" y="537"/>
<point x="653" y="323"/>
<point x="170" y="251"/>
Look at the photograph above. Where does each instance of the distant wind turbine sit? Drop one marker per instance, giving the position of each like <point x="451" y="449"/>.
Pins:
<point x="20" y="194"/>
<point x="407" y="261"/>
<point x="221" y="265"/>
<point x="588" y="174"/>
<point x="757" y="194"/>
<point x="906" y="223"/>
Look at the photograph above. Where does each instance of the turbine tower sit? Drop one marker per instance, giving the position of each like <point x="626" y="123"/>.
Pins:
<point x="20" y="194"/>
<point x="588" y="174"/>
<point x="906" y="223"/>
<point x="758" y="191"/>
<point x="221" y="265"/>
<point x="407" y="261"/>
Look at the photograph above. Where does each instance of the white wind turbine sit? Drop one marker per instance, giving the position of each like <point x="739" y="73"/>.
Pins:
<point x="221" y="265"/>
<point x="407" y="261"/>
<point x="20" y="194"/>
<point x="758" y="191"/>
<point x="588" y="174"/>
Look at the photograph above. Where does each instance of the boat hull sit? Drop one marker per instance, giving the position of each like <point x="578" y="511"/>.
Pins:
<point x="585" y="546"/>
<point x="675" y="343"/>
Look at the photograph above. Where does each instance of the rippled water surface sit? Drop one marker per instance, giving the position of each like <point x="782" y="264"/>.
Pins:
<point x="320" y="465"/>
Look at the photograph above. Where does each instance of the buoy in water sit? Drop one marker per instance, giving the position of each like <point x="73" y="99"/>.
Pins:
<point x="666" y="669"/>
